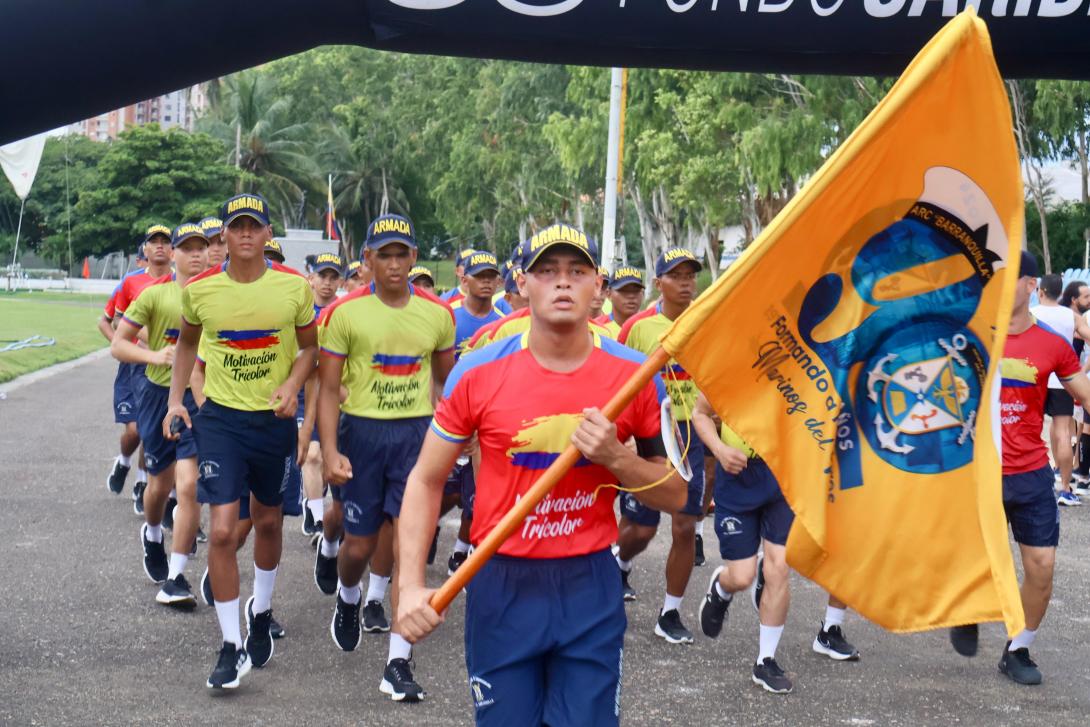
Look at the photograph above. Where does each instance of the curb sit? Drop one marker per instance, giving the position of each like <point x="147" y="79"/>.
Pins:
<point x="49" y="371"/>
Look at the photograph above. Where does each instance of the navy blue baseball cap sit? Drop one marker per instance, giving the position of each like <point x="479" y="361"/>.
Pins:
<point x="156" y="230"/>
<point x="187" y="231"/>
<point x="1028" y="266"/>
<point x="554" y="235"/>
<point x="481" y="261"/>
<point x="510" y="278"/>
<point x="245" y="205"/>
<point x="211" y="226"/>
<point x="328" y="261"/>
<point x="671" y="257"/>
<point x="387" y="229"/>
<point x="626" y="275"/>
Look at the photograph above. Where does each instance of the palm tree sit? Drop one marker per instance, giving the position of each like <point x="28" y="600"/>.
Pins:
<point x="263" y="139"/>
<point x="363" y="188"/>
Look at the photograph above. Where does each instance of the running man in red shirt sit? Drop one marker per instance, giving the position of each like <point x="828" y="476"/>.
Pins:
<point x="1033" y="351"/>
<point x="544" y="618"/>
<point x="130" y="376"/>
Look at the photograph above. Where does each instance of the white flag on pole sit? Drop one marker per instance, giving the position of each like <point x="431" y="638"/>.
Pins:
<point x="19" y="160"/>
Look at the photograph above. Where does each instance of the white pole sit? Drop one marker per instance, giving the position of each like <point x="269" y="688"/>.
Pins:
<point x="18" y="229"/>
<point x="609" y="224"/>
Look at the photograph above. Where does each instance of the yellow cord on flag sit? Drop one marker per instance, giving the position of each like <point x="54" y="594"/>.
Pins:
<point x="670" y="470"/>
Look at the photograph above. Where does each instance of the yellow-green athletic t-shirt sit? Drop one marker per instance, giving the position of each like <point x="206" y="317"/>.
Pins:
<point x="158" y="308"/>
<point x="387" y="351"/>
<point x="249" y="342"/>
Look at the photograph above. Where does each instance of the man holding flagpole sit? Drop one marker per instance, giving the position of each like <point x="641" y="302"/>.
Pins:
<point x="1033" y="352"/>
<point x="544" y="618"/>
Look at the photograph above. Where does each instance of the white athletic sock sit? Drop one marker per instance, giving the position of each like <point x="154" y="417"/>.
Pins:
<point x="399" y="648"/>
<point x="141" y="475"/>
<point x="1023" y="640"/>
<point x="671" y="603"/>
<point x="461" y="546"/>
<point x="330" y="550"/>
<point x="317" y="508"/>
<point x="376" y="587"/>
<point x="722" y="594"/>
<point x="177" y="564"/>
<point x="173" y="494"/>
<point x="227" y="615"/>
<point x="833" y="617"/>
<point x="264" y="580"/>
<point x="124" y="461"/>
<point x="154" y="533"/>
<point x="625" y="565"/>
<point x="351" y="595"/>
<point x="700" y="527"/>
<point x="770" y="639"/>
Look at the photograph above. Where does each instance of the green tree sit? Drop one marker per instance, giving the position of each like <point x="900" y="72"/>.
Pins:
<point x="261" y="136"/>
<point x="149" y="176"/>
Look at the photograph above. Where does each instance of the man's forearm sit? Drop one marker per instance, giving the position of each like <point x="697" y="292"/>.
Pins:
<point x="303" y="366"/>
<point x="416" y="527"/>
<point x="634" y="472"/>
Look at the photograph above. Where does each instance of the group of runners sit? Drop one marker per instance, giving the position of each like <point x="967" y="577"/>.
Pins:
<point x="256" y="390"/>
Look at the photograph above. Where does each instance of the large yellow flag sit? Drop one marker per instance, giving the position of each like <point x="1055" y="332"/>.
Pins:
<point x="856" y="344"/>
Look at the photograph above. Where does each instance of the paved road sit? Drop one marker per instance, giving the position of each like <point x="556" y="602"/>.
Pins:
<point x="82" y="641"/>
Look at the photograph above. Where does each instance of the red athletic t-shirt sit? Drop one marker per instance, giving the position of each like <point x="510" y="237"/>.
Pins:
<point x="1028" y="359"/>
<point x="131" y="286"/>
<point x="524" y="416"/>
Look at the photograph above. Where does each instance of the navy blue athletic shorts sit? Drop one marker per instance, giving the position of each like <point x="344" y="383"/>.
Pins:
<point x="159" y="452"/>
<point x="1030" y="502"/>
<point x="238" y="449"/>
<point x="544" y="641"/>
<point x="382" y="453"/>
<point x="460" y="482"/>
<point x="124" y="394"/>
<point x="749" y="507"/>
<point x="640" y="514"/>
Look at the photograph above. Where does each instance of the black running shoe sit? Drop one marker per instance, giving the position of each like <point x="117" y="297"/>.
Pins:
<point x="669" y="627"/>
<point x="714" y="609"/>
<point x="771" y="677"/>
<point x="168" y="513"/>
<point x="831" y="642"/>
<point x="138" y="497"/>
<point x="374" y="618"/>
<point x="758" y="586"/>
<point x="965" y="639"/>
<point x="345" y="626"/>
<point x="309" y="525"/>
<point x="259" y="643"/>
<point x="1018" y="666"/>
<point x="202" y="537"/>
<point x="116" y="479"/>
<point x="398" y="682"/>
<point x="206" y="589"/>
<point x="699" y="559"/>
<point x="325" y="573"/>
<point x="626" y="588"/>
<point x="175" y="592"/>
<point x="233" y="664"/>
<point x="455" y="562"/>
<point x="156" y="566"/>
<point x="276" y="629"/>
<point x="434" y="546"/>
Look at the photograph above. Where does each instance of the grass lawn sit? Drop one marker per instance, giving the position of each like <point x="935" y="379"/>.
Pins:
<point x="68" y="317"/>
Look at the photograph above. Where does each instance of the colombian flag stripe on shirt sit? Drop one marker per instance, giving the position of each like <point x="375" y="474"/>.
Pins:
<point x="642" y="332"/>
<point x="387" y="351"/>
<point x="248" y="341"/>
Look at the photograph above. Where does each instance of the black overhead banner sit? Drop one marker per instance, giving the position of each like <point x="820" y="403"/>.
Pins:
<point x="64" y="61"/>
